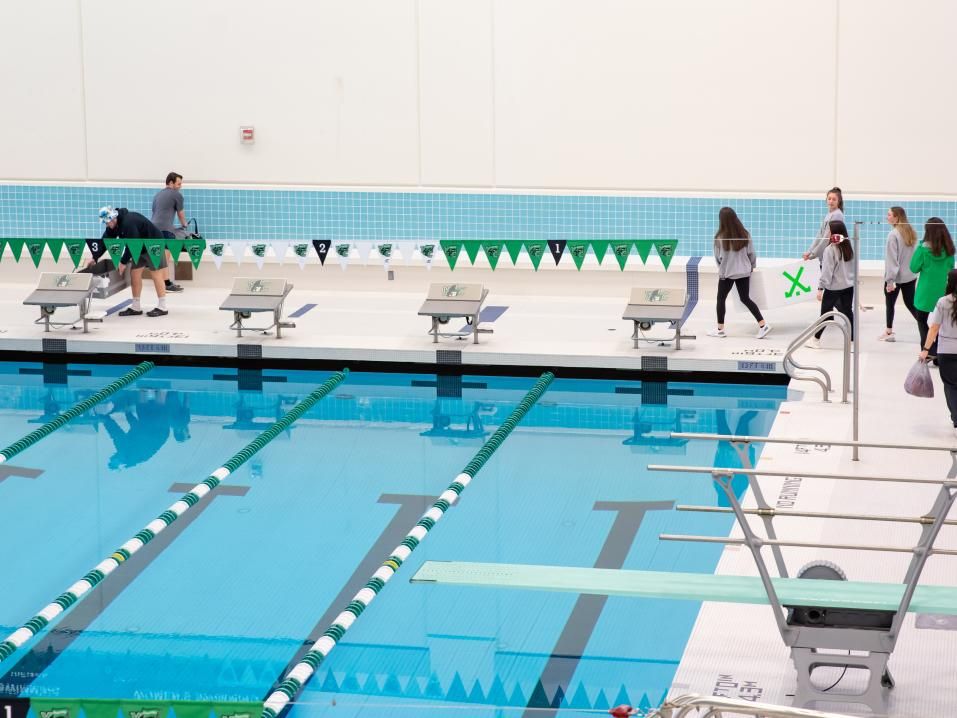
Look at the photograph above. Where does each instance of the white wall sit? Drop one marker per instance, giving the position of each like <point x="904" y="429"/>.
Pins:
<point x="686" y="95"/>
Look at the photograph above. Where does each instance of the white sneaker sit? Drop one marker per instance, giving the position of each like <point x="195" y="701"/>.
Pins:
<point x="813" y="343"/>
<point x="717" y="333"/>
<point x="885" y="337"/>
<point x="763" y="331"/>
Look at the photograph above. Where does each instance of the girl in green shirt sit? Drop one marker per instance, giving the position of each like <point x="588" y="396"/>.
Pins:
<point x="932" y="260"/>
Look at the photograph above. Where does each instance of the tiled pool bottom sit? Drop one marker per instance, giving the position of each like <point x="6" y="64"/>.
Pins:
<point x="229" y="600"/>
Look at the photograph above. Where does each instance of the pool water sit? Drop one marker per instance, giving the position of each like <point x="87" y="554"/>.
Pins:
<point x="230" y="596"/>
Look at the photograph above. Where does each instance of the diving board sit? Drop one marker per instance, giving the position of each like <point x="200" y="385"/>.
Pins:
<point x="859" y="595"/>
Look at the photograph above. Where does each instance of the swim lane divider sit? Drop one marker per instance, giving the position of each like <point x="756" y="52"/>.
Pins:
<point x="34" y="436"/>
<point x="152" y="529"/>
<point x="304" y="670"/>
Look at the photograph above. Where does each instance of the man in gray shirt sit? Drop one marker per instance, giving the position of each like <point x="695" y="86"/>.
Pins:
<point x="167" y="204"/>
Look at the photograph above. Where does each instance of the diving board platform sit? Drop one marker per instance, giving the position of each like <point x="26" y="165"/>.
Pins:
<point x="792" y="592"/>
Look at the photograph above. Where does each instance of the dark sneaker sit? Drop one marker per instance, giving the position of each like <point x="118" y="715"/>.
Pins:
<point x="157" y="312"/>
<point x="170" y="287"/>
<point x="130" y="312"/>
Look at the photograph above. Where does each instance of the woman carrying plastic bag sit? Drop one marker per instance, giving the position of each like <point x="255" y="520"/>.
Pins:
<point x="943" y="329"/>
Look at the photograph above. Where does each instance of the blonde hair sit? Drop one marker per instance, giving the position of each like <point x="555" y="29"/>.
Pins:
<point x="903" y="226"/>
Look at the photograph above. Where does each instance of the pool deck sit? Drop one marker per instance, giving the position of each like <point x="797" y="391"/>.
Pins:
<point x="567" y="320"/>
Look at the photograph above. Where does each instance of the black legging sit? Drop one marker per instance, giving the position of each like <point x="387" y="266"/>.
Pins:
<point x="923" y="328"/>
<point x="890" y="299"/>
<point x="843" y="301"/>
<point x="744" y="287"/>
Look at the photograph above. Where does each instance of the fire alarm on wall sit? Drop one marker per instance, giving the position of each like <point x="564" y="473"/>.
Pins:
<point x="247" y="134"/>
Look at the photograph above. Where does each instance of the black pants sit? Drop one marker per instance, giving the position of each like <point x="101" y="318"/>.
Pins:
<point x="923" y="328"/>
<point x="744" y="288"/>
<point x="948" y="375"/>
<point x="890" y="299"/>
<point x="843" y="301"/>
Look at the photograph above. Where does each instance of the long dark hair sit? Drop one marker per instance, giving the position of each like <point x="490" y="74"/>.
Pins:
<point x="838" y="227"/>
<point x="951" y="291"/>
<point x="731" y="231"/>
<point x="840" y="197"/>
<point x="937" y="237"/>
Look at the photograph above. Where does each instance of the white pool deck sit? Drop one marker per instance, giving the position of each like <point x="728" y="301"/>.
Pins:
<point x="560" y="319"/>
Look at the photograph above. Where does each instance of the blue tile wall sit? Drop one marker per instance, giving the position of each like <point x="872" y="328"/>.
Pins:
<point x="780" y="227"/>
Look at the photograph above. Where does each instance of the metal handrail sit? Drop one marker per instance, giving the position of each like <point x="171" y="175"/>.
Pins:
<point x="788" y="362"/>
<point x="731" y="471"/>
<point x="816" y="442"/>
<point x="688" y="705"/>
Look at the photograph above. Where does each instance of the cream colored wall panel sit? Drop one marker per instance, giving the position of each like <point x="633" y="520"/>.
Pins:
<point x="898" y="96"/>
<point x="685" y="94"/>
<point x="330" y="88"/>
<point x="455" y="61"/>
<point x="41" y="91"/>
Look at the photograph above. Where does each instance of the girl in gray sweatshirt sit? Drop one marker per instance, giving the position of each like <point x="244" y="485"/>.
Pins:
<point x="734" y="253"/>
<point x="898" y="279"/>
<point x="835" y="212"/>
<point x="835" y="290"/>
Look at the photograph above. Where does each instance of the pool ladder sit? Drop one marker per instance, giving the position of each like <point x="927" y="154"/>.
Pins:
<point x="824" y="380"/>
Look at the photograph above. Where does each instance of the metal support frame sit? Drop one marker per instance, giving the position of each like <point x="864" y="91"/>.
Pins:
<point x="277" y="322"/>
<point x="471" y="319"/>
<point x="676" y="324"/>
<point x="692" y="705"/>
<point x="868" y="647"/>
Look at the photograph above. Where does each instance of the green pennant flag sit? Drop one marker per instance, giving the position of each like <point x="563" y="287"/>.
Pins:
<point x="35" y="248"/>
<point x="75" y="249"/>
<point x="144" y="709"/>
<point x="644" y="248"/>
<point x="155" y="249"/>
<point x="194" y="248"/>
<point x="599" y="247"/>
<point x="536" y="250"/>
<point x="100" y="708"/>
<point x="175" y="246"/>
<point x="136" y="248"/>
<point x="114" y="248"/>
<point x="493" y="252"/>
<point x="621" y="248"/>
<point x="3" y="246"/>
<point x="666" y="250"/>
<point x="16" y="246"/>
<point x="451" y="249"/>
<point x="472" y="249"/>
<point x="578" y="248"/>
<point x="55" y="707"/>
<point x="56" y="246"/>
<point x="514" y="248"/>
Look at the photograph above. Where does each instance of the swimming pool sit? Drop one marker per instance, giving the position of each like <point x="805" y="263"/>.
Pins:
<point x="229" y="597"/>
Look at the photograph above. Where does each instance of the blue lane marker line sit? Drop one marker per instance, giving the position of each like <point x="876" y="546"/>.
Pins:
<point x="303" y="309"/>
<point x="691" y="269"/>
<point x="489" y="314"/>
<point x="118" y="307"/>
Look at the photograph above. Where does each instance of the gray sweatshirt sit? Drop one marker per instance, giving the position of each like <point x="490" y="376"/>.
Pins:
<point x="835" y="272"/>
<point x="824" y="233"/>
<point x="734" y="264"/>
<point x="897" y="260"/>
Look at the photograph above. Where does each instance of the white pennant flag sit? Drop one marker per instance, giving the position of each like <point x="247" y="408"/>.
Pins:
<point x="279" y="250"/>
<point x="301" y="251"/>
<point x="365" y="249"/>
<point x="342" y="250"/>
<point x="216" y="249"/>
<point x="427" y="252"/>
<point x="239" y="251"/>
<point x="259" y="253"/>
<point x="385" y="251"/>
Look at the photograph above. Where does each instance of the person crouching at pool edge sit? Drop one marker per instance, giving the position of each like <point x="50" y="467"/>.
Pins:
<point x="123" y="224"/>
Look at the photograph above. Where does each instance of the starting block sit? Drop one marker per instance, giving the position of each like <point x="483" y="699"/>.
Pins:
<point x="251" y="295"/>
<point x="445" y="301"/>
<point x="650" y="305"/>
<point x="56" y="290"/>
